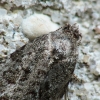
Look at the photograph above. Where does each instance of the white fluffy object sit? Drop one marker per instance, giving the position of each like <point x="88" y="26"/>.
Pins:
<point x="36" y="25"/>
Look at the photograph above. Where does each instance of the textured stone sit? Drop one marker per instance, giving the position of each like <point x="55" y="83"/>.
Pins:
<point x="83" y="12"/>
<point x="37" y="25"/>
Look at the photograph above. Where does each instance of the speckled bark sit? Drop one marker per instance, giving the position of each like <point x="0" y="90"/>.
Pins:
<point x="42" y="69"/>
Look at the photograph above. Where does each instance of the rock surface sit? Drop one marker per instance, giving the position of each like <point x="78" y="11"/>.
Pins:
<point x="37" y="25"/>
<point x="84" y="12"/>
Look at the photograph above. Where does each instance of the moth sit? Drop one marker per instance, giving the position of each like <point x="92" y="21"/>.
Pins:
<point x="43" y="68"/>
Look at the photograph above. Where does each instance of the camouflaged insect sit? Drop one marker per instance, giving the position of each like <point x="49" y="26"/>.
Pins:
<point x="42" y="69"/>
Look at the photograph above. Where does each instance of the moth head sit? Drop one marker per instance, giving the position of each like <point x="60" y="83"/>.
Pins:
<point x="73" y="32"/>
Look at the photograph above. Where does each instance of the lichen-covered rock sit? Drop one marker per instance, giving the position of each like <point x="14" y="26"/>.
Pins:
<point x="41" y="69"/>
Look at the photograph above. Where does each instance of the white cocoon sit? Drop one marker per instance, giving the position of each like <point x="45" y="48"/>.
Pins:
<point x="36" y="25"/>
